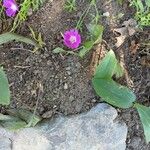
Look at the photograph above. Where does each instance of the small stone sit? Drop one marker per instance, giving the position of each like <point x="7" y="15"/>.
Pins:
<point x="71" y="98"/>
<point x="106" y="14"/>
<point x="47" y="114"/>
<point x="78" y="65"/>
<point x="55" y="106"/>
<point x="68" y="68"/>
<point x="69" y="73"/>
<point x="65" y="86"/>
<point x="49" y="62"/>
<point x="93" y="100"/>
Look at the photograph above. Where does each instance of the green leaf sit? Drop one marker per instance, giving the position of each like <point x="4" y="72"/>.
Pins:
<point x="107" y="66"/>
<point x="147" y="3"/>
<point x="119" y="71"/>
<point x="4" y="89"/>
<point x="114" y="93"/>
<point x="11" y="122"/>
<point x="13" y="125"/>
<point x="25" y="115"/>
<point x="140" y="5"/>
<point x="144" y="113"/>
<point x="58" y="50"/>
<point x="6" y="117"/>
<point x="96" y="32"/>
<point x="8" y="37"/>
<point x="86" y="48"/>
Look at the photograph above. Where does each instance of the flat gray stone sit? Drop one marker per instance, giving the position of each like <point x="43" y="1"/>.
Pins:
<point x="5" y="143"/>
<point x="94" y="130"/>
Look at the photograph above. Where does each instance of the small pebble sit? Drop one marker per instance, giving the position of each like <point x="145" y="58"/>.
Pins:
<point x="106" y="14"/>
<point x="69" y="73"/>
<point x="93" y="100"/>
<point x="71" y="98"/>
<point x="49" y="63"/>
<point x="47" y="114"/>
<point x="68" y="68"/>
<point x="65" y="86"/>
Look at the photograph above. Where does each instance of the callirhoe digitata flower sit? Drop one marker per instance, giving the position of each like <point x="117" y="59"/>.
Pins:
<point x="72" y="39"/>
<point x="11" y="7"/>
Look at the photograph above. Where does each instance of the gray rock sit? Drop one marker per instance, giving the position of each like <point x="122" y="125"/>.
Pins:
<point x="94" y="130"/>
<point x="5" y="139"/>
<point x="5" y="143"/>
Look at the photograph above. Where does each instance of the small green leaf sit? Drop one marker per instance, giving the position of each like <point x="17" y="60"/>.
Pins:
<point x="107" y="66"/>
<point x="140" y="5"/>
<point x="6" y="117"/>
<point x="86" y="48"/>
<point x="32" y="32"/>
<point x="25" y="115"/>
<point x="8" y="37"/>
<point x="4" y="89"/>
<point x="13" y="125"/>
<point x="58" y="50"/>
<point x="114" y="93"/>
<point x="96" y="32"/>
<point x="147" y="3"/>
<point x="144" y="113"/>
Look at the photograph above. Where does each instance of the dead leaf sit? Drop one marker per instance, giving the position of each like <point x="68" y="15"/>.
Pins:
<point x="120" y="40"/>
<point x="98" y="54"/>
<point x="134" y="47"/>
<point x="145" y="61"/>
<point x="128" y="29"/>
<point x="131" y="22"/>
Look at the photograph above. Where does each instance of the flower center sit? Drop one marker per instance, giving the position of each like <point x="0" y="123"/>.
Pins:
<point x="73" y="39"/>
<point x="14" y="7"/>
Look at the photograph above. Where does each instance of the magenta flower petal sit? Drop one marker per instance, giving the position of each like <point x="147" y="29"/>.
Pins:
<point x="72" y="39"/>
<point x="7" y="3"/>
<point x="11" y="7"/>
<point x="10" y="13"/>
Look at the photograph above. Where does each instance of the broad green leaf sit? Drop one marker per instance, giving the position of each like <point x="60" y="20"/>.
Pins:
<point x="4" y="89"/>
<point x="25" y="115"/>
<point x="86" y="48"/>
<point x="119" y="71"/>
<point x="58" y="50"/>
<point x="8" y="37"/>
<point x="13" y="125"/>
<point x="114" y="93"/>
<point x="96" y="32"/>
<point x="107" y="66"/>
<point x="144" y="113"/>
<point x="6" y="117"/>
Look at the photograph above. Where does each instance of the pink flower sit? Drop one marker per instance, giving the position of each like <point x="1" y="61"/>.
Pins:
<point x="72" y="39"/>
<point x="11" y="7"/>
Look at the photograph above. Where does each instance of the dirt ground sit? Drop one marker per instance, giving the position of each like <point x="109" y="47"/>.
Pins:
<point x="67" y="88"/>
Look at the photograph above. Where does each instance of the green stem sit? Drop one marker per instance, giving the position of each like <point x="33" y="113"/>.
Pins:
<point x="82" y="17"/>
<point x="84" y="14"/>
